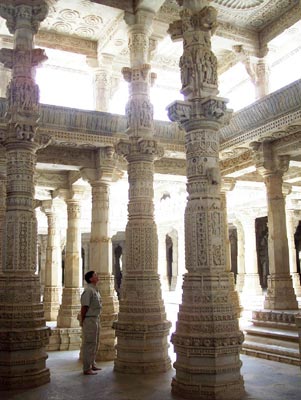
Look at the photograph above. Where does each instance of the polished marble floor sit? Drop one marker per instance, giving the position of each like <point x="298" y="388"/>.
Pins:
<point x="264" y="380"/>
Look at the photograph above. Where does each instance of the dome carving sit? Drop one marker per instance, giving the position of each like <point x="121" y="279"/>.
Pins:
<point x="240" y="4"/>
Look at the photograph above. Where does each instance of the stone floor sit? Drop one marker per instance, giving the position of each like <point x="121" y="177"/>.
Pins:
<point x="264" y="380"/>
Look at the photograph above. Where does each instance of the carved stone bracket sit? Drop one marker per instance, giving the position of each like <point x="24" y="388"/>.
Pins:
<point x="266" y="161"/>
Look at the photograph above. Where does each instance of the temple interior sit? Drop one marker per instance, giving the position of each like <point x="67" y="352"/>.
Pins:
<point x="158" y="143"/>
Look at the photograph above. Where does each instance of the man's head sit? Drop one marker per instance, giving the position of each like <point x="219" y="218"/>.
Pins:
<point x="91" y="277"/>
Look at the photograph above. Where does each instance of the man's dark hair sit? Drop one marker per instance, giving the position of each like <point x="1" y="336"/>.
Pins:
<point x="88" y="276"/>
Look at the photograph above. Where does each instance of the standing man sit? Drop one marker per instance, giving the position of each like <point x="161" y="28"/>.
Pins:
<point x="90" y="310"/>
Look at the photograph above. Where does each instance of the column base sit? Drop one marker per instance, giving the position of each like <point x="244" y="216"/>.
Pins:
<point x="296" y="284"/>
<point x="51" y="302"/>
<point x="240" y="282"/>
<point x="142" y="349"/>
<point x="110" y="306"/>
<point x="252" y="285"/>
<point x="208" y="340"/>
<point x="24" y="334"/>
<point x="70" y="307"/>
<point x="280" y="294"/>
<point x="107" y="345"/>
<point x="62" y="339"/>
<point x="227" y="391"/>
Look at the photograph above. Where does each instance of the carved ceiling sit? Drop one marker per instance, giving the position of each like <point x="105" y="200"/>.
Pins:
<point x="95" y="27"/>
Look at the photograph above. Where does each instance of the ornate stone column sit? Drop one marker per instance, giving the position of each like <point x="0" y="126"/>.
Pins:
<point x="2" y="215"/>
<point x="226" y="185"/>
<point x="101" y="249"/>
<point x="102" y="70"/>
<point x="241" y="271"/>
<point x="293" y="218"/>
<point x="53" y="268"/>
<point x="24" y="334"/>
<point x="280" y="293"/>
<point x="5" y="74"/>
<point x="67" y="316"/>
<point x="252" y="287"/>
<point x="142" y="328"/>
<point x="207" y="340"/>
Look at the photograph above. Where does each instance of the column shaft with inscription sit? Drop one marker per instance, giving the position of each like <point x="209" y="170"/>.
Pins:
<point x="142" y="328"/>
<point x="23" y="332"/>
<point x="207" y="339"/>
<point x="280" y="293"/>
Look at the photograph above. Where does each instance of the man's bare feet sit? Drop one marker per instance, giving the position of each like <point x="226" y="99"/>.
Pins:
<point x="90" y="372"/>
<point x="95" y="368"/>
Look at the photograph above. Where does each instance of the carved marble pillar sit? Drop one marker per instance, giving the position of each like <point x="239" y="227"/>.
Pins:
<point x="207" y="340"/>
<point x="2" y="214"/>
<point x="226" y="185"/>
<point x="102" y="70"/>
<point x="162" y="258"/>
<point x="24" y="334"/>
<point x="293" y="217"/>
<point x="101" y="249"/>
<point x="70" y="306"/>
<point x="262" y="73"/>
<point x="5" y="73"/>
<point x="53" y="268"/>
<point x="252" y="285"/>
<point x="142" y="328"/>
<point x="241" y="271"/>
<point x="280" y="293"/>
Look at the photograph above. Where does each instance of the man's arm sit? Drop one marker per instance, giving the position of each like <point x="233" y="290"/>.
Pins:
<point x="83" y="312"/>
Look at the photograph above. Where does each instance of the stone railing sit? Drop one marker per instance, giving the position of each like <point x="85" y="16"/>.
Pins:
<point x="64" y="119"/>
<point x="268" y="115"/>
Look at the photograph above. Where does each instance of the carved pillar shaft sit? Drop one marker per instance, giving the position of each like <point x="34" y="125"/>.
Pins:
<point x="23" y="330"/>
<point x="53" y="270"/>
<point x="208" y="316"/>
<point x="67" y="316"/>
<point x="252" y="282"/>
<point x="280" y="293"/>
<point x="292" y="223"/>
<point x="241" y="271"/>
<point x="262" y="79"/>
<point x="142" y="328"/>
<point x="101" y="262"/>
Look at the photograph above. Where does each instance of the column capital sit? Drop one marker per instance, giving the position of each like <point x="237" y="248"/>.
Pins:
<point x="227" y="184"/>
<point x="140" y="148"/>
<point x="28" y="12"/>
<point x="266" y="161"/>
<point x="141" y="21"/>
